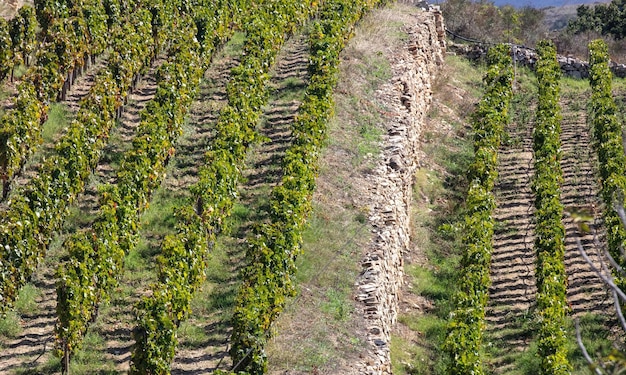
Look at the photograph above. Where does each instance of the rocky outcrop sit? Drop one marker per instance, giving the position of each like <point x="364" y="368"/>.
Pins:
<point x="407" y="98"/>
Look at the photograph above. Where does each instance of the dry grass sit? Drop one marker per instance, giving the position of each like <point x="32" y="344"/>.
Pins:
<point x="439" y="188"/>
<point x="322" y="330"/>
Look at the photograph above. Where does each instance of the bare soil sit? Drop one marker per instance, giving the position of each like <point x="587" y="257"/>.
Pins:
<point x="510" y="313"/>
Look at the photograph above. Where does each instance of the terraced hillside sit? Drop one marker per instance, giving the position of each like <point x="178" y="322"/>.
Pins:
<point x="385" y="180"/>
<point x="27" y="333"/>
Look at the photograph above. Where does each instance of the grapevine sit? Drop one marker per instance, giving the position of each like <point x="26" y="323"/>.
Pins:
<point x="549" y="231"/>
<point x="184" y="255"/>
<point x="466" y="325"/>
<point x="273" y="249"/>
<point x="97" y="254"/>
<point x="607" y="136"/>
<point x="38" y="209"/>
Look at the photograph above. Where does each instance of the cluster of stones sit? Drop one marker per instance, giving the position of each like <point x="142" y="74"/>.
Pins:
<point x="523" y="56"/>
<point x="408" y="97"/>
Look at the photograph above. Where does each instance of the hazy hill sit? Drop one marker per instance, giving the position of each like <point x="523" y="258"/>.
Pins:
<point x="556" y="17"/>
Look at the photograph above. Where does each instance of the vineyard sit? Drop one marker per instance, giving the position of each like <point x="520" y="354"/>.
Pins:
<point x="126" y="148"/>
<point x="534" y="222"/>
<point x="195" y="187"/>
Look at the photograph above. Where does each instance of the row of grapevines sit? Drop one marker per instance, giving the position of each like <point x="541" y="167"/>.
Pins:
<point x="96" y="255"/>
<point x="607" y="136"/>
<point x="38" y="209"/>
<point x="466" y="325"/>
<point x="18" y="40"/>
<point x="64" y="48"/>
<point x="549" y="229"/>
<point x="272" y="250"/>
<point x="184" y="255"/>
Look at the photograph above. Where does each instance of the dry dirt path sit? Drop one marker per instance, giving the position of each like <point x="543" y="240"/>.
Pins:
<point x="586" y="292"/>
<point x="32" y="346"/>
<point x="512" y="294"/>
<point x="513" y="289"/>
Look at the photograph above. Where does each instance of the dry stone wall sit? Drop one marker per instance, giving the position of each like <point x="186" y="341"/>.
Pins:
<point x="408" y="97"/>
<point x="570" y="66"/>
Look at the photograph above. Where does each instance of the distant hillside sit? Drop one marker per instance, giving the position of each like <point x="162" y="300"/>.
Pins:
<point x="556" y="17"/>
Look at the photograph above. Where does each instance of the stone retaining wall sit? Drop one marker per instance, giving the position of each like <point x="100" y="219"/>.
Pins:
<point x="570" y="67"/>
<point x="408" y="98"/>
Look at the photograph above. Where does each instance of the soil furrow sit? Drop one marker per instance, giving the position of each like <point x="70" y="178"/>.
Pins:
<point x="580" y="196"/>
<point x="513" y="289"/>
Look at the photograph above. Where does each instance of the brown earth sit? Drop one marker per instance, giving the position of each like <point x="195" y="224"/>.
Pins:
<point x="513" y="292"/>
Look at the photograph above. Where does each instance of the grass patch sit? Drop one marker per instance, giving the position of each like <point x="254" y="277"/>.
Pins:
<point x="289" y="89"/>
<point x="337" y="304"/>
<point x="316" y="330"/>
<point x="191" y="336"/>
<point x="595" y="337"/>
<point x="57" y="120"/>
<point x="19" y="71"/>
<point x="439" y="191"/>
<point x="162" y="209"/>
<point x="234" y="46"/>
<point x="52" y="366"/>
<point x="27" y="299"/>
<point x="10" y="325"/>
<point x="92" y="359"/>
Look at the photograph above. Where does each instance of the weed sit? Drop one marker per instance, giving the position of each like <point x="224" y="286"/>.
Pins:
<point x="91" y="359"/>
<point x="192" y="336"/>
<point x="594" y="335"/>
<point x="27" y="299"/>
<point x="51" y="366"/>
<point x="57" y="120"/>
<point x="337" y="304"/>
<point x="10" y="325"/>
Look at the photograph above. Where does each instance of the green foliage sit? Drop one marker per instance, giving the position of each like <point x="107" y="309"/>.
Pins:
<point x="6" y="50"/>
<point x="607" y="141"/>
<point x="183" y="258"/>
<point x="38" y="209"/>
<point x="91" y="273"/>
<point x="273" y="249"/>
<point x="67" y="44"/>
<point x="466" y="324"/>
<point x="549" y="231"/>
<point x="23" y="33"/>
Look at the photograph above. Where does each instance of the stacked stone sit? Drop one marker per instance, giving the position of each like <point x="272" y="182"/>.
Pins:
<point x="523" y="56"/>
<point x="409" y="95"/>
